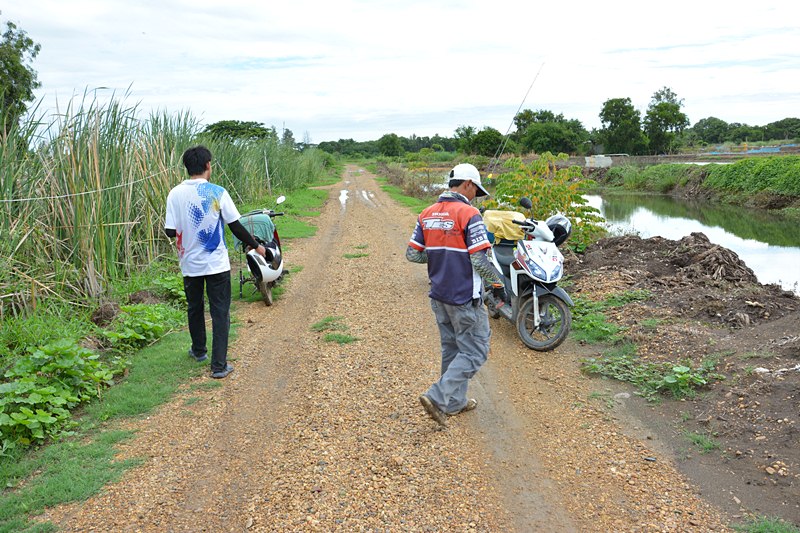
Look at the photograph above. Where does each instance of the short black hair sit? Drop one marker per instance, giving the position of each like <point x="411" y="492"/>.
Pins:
<point x="195" y="159"/>
<point x="453" y="183"/>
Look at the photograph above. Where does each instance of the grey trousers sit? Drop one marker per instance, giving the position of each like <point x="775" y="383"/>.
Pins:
<point x="464" y="332"/>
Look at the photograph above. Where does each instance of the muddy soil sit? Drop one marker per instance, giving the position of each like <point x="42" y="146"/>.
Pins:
<point x="706" y="304"/>
<point x="311" y="435"/>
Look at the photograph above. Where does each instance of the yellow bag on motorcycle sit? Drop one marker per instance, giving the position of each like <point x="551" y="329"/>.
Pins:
<point x="500" y="224"/>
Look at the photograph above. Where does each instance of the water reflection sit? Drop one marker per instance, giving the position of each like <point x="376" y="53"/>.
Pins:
<point x="768" y="244"/>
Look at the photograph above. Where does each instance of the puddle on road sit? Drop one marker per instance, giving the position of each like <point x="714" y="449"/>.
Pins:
<point x="343" y="198"/>
<point x="368" y="198"/>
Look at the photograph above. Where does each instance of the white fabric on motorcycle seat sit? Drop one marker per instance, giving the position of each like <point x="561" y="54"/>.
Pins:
<point x="500" y="224"/>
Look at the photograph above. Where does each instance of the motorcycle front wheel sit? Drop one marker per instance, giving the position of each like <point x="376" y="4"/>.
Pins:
<point x="555" y="321"/>
<point x="265" y="288"/>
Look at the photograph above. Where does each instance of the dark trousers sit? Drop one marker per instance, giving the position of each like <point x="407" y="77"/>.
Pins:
<point x="218" y="288"/>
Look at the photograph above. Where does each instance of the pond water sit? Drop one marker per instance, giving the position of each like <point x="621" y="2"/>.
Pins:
<point x="769" y="244"/>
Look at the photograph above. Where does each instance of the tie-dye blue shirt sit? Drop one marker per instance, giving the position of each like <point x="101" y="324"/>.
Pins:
<point x="198" y="212"/>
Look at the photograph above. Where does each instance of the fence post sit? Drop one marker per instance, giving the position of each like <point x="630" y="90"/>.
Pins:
<point x="269" y="183"/>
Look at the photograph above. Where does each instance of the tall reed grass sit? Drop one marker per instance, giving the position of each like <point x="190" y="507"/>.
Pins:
<point x="82" y="195"/>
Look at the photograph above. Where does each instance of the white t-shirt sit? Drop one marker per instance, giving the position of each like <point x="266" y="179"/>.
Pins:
<point x="198" y="212"/>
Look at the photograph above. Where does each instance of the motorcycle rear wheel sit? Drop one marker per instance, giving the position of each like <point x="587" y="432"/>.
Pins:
<point x="555" y="321"/>
<point x="265" y="288"/>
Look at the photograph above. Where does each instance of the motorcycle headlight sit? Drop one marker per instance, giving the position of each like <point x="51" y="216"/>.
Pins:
<point x="556" y="273"/>
<point x="536" y="270"/>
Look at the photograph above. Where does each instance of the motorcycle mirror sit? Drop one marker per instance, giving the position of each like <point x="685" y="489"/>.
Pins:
<point x="280" y="199"/>
<point x="525" y="202"/>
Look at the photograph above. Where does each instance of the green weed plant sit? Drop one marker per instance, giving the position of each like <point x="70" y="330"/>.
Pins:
<point x="552" y="189"/>
<point x="766" y="524"/>
<point x="651" y="378"/>
<point x="45" y="385"/>
<point x="706" y="443"/>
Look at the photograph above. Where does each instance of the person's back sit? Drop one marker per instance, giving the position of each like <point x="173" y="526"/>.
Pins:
<point x="451" y="230"/>
<point x="199" y="211"/>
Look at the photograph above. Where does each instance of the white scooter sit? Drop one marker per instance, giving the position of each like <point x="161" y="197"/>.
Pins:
<point x="265" y="272"/>
<point x="526" y="253"/>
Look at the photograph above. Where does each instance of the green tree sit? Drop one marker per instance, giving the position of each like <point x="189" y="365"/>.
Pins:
<point x="390" y="145"/>
<point x="17" y="79"/>
<point x="788" y="128"/>
<point x="465" y="139"/>
<point x="525" y="118"/>
<point x="487" y="141"/>
<point x="555" y="137"/>
<point x="621" y="131"/>
<point x="288" y="138"/>
<point x="237" y="130"/>
<point x="738" y="133"/>
<point x="545" y="131"/>
<point x="664" y="121"/>
<point x="711" y="130"/>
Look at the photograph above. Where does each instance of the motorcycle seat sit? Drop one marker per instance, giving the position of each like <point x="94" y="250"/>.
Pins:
<point x="504" y="253"/>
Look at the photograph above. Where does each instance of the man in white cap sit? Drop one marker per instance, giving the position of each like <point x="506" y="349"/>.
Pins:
<point x="451" y="238"/>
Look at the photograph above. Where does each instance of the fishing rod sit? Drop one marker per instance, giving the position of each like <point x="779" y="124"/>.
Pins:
<point x="502" y="147"/>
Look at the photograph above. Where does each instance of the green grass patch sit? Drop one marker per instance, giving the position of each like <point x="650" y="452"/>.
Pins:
<point x="416" y="205"/>
<point x="355" y="255"/>
<point x="605" y="397"/>
<point x="704" y="442"/>
<point x="62" y="472"/>
<point x="339" y="338"/>
<point x="652" y="379"/>
<point x="206" y="385"/>
<point x="650" y="324"/>
<point x="329" y="323"/>
<point x="334" y="326"/>
<point x="594" y="328"/>
<point x="765" y="524"/>
<point x="78" y="464"/>
<point x="590" y="324"/>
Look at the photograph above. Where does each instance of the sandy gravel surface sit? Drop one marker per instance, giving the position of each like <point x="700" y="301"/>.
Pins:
<point x="308" y="435"/>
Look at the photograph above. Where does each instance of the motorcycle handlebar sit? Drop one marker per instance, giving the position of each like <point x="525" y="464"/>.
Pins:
<point x="268" y="212"/>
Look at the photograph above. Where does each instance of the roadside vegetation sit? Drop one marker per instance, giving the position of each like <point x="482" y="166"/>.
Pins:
<point x="766" y="181"/>
<point x="92" y="311"/>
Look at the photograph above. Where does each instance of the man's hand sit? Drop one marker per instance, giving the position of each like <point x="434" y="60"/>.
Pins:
<point x="260" y="250"/>
<point x="499" y="292"/>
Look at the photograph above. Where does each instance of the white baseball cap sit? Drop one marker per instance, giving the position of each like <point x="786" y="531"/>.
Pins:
<point x="467" y="172"/>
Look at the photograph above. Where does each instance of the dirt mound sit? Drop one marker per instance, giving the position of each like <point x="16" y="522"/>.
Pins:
<point x="705" y="304"/>
<point x="105" y="313"/>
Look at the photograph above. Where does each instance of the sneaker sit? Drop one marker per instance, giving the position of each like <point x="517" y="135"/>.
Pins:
<point x="222" y="373"/>
<point x="471" y="404"/>
<point x="199" y="359"/>
<point x="433" y="411"/>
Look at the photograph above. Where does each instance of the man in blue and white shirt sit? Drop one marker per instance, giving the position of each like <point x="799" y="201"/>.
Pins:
<point x="197" y="212"/>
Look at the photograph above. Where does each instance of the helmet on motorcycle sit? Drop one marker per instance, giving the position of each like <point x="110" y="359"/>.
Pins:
<point x="265" y="269"/>
<point x="561" y="228"/>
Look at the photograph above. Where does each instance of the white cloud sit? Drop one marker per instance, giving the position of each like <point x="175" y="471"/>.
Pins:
<point x="360" y="68"/>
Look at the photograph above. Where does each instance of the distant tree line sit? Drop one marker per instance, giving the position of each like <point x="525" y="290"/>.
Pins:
<point x="663" y="129"/>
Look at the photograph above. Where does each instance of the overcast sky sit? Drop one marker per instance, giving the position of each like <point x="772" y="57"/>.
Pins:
<point x="362" y="68"/>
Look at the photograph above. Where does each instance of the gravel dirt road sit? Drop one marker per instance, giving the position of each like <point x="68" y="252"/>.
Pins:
<point x="309" y="435"/>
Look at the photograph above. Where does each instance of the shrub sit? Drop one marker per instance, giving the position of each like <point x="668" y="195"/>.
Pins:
<point x="45" y="384"/>
<point x="551" y="190"/>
